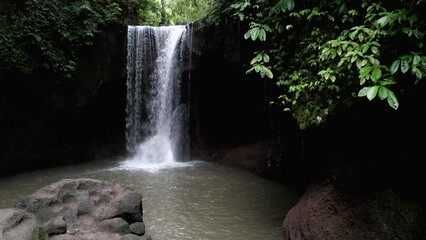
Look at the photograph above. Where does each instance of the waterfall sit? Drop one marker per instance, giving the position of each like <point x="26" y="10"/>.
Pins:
<point x="157" y="118"/>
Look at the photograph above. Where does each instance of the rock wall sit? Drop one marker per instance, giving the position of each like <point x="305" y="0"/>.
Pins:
<point x="230" y="112"/>
<point x="46" y="123"/>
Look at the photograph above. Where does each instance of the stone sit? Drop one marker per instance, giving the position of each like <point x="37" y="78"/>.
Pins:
<point x="130" y="237"/>
<point x="137" y="228"/>
<point x="17" y="224"/>
<point x="115" y="225"/>
<point x="146" y="237"/>
<point x="87" y="235"/>
<point x="84" y="207"/>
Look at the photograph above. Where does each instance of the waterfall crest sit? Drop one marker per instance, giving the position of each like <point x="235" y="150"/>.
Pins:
<point x="156" y="121"/>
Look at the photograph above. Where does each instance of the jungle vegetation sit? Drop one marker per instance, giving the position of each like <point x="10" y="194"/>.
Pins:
<point x="326" y="55"/>
<point x="322" y="55"/>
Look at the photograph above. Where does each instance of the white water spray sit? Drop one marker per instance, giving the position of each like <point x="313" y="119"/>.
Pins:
<point x="155" y="115"/>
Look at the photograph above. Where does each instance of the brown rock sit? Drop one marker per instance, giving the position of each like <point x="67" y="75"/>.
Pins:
<point x="324" y="213"/>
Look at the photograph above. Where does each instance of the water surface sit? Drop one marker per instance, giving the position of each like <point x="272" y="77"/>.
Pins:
<point x="200" y="200"/>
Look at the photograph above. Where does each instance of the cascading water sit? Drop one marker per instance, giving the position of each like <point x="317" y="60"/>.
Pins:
<point x="156" y="117"/>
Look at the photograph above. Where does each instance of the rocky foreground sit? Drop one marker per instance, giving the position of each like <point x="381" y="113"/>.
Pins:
<point x="76" y="209"/>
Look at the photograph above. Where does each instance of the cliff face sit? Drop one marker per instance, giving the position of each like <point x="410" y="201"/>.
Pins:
<point x="46" y="123"/>
<point x="230" y="112"/>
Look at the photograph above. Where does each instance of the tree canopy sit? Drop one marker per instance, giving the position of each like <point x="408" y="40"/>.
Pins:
<point x="326" y="55"/>
<point x="47" y="35"/>
<point x="173" y="12"/>
<point x="38" y="35"/>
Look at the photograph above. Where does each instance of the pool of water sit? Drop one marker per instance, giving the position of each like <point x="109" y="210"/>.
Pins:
<point x="197" y="200"/>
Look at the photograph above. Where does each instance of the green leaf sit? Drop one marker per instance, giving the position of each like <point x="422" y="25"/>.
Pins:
<point x="417" y="72"/>
<point x="412" y="19"/>
<point x="387" y="81"/>
<point x="363" y="92"/>
<point x="365" y="70"/>
<point x="359" y="63"/>
<point x="290" y="5"/>
<point x="252" y="33"/>
<point x="383" y="21"/>
<point x="257" y="67"/>
<point x="394" y="67"/>
<point x="265" y="57"/>
<point x="361" y="37"/>
<point x="416" y="59"/>
<point x="404" y="65"/>
<point x="269" y="73"/>
<point x="383" y="92"/>
<point x="372" y="92"/>
<point x="262" y="34"/>
<point x="353" y="35"/>
<point x="255" y="33"/>
<point x="392" y="100"/>
<point x="241" y="16"/>
<point x="327" y="76"/>
<point x="376" y="74"/>
<point x="365" y="48"/>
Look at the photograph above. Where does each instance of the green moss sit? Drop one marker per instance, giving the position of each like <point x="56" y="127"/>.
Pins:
<point x="40" y="234"/>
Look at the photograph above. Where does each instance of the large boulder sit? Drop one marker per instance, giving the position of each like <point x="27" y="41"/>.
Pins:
<point x="325" y="213"/>
<point x="85" y="209"/>
<point x="253" y="157"/>
<point x="17" y="224"/>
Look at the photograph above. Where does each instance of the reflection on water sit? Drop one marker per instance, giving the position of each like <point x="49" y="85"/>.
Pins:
<point x="200" y="201"/>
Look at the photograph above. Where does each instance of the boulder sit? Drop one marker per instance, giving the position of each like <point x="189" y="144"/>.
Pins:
<point x="325" y="213"/>
<point x="17" y="224"/>
<point x="85" y="209"/>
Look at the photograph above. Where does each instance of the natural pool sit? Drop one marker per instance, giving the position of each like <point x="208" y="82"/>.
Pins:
<point x="196" y="200"/>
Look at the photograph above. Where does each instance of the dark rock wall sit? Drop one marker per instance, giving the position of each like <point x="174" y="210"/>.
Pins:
<point x="46" y="123"/>
<point x="228" y="106"/>
<point x="232" y="120"/>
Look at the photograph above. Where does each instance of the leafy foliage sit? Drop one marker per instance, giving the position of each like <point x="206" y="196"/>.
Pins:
<point x="48" y="34"/>
<point x="167" y="12"/>
<point x="325" y="55"/>
<point x="186" y="11"/>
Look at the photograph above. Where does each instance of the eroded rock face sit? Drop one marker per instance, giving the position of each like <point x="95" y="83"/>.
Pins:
<point x="324" y="213"/>
<point x="85" y="209"/>
<point x="17" y="224"/>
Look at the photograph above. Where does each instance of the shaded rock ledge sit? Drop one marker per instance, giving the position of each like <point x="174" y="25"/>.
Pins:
<point x="76" y="209"/>
<point x="329" y="212"/>
<point x="324" y="213"/>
